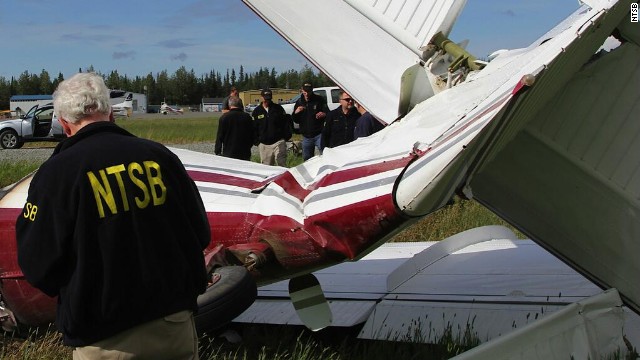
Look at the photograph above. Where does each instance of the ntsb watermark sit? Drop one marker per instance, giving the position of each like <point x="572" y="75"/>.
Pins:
<point x="634" y="12"/>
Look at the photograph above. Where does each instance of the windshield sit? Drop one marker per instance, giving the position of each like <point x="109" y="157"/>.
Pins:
<point x="292" y="100"/>
<point x="30" y="112"/>
<point x="34" y="109"/>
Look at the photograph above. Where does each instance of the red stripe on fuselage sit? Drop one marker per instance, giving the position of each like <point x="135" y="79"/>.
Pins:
<point x="338" y="233"/>
<point x="225" y="179"/>
<point x="8" y="246"/>
<point x="289" y="183"/>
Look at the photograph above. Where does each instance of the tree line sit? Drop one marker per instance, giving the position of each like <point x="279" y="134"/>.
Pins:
<point x="182" y="87"/>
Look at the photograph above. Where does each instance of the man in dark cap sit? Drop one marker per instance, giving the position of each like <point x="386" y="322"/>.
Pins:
<point x="273" y="129"/>
<point x="310" y="112"/>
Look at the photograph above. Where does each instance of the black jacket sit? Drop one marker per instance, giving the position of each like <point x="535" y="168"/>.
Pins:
<point x="309" y="125"/>
<point x="273" y="125"/>
<point x="235" y="135"/>
<point x="338" y="128"/>
<point x="115" y="227"/>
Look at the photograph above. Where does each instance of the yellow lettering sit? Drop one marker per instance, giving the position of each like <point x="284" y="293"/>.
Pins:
<point x="146" y="176"/>
<point x="135" y="167"/>
<point x="30" y="211"/>
<point x="155" y="182"/>
<point x="27" y="210"/>
<point x="116" y="170"/>
<point x="102" y="192"/>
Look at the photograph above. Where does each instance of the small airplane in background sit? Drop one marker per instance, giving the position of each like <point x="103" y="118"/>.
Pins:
<point x="166" y="109"/>
<point x="124" y="108"/>
<point x="543" y="136"/>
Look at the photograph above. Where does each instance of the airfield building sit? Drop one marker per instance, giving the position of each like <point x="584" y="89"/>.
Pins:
<point x="212" y="104"/>
<point x="279" y="95"/>
<point x="20" y="104"/>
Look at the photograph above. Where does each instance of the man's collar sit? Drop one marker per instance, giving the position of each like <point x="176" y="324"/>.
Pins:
<point x="87" y="131"/>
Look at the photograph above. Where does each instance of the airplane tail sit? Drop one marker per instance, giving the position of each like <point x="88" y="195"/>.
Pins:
<point x="125" y="107"/>
<point x="128" y="101"/>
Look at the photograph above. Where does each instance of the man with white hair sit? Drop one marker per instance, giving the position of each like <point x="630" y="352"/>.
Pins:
<point x="115" y="228"/>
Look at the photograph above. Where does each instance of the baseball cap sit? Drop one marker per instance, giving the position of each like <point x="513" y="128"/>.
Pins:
<point x="266" y="94"/>
<point x="307" y="86"/>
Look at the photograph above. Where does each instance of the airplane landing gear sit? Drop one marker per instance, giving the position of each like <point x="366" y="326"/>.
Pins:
<point x="7" y="320"/>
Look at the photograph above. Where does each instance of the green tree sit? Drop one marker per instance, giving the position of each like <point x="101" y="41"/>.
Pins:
<point x="114" y="81"/>
<point x="5" y="93"/>
<point x="46" y="87"/>
<point x="182" y="87"/>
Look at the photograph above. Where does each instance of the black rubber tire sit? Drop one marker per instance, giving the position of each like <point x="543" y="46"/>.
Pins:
<point x="9" y="139"/>
<point x="225" y="300"/>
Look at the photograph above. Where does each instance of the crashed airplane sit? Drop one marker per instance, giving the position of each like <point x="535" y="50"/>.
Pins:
<point x="544" y="136"/>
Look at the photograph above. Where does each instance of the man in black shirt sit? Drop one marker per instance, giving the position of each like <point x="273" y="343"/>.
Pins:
<point x="235" y="135"/>
<point x="273" y="129"/>
<point x="114" y="227"/>
<point x="366" y="124"/>
<point x="340" y="123"/>
<point x="310" y="112"/>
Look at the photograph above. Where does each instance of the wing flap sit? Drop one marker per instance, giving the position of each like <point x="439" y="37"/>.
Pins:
<point x="365" y="47"/>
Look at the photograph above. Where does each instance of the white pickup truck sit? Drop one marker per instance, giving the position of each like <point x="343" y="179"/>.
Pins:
<point x="329" y="93"/>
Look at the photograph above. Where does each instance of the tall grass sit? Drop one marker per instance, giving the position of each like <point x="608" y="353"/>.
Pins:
<point x="267" y="342"/>
<point x="42" y="343"/>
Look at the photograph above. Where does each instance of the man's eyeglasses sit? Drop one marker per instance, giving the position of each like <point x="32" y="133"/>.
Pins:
<point x="347" y="99"/>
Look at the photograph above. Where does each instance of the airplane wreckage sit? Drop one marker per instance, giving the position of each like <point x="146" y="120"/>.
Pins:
<point x="546" y="136"/>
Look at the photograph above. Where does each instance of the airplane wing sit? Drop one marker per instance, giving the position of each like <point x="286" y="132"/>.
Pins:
<point x="563" y="165"/>
<point x="484" y="280"/>
<point x="546" y="136"/>
<point x="364" y="46"/>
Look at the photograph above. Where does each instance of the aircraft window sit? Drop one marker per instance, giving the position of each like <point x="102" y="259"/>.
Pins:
<point x="335" y="96"/>
<point x="321" y="93"/>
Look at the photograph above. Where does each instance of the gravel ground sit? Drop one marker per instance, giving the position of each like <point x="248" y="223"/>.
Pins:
<point x="25" y="154"/>
<point x="43" y="153"/>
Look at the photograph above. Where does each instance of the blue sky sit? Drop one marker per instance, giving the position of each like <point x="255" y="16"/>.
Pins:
<point x="138" y="37"/>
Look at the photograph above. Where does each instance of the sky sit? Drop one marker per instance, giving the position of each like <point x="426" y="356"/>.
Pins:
<point x="138" y="37"/>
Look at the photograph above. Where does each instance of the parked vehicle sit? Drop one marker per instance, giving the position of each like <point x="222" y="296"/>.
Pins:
<point x="249" y="108"/>
<point x="39" y="124"/>
<point x="329" y="93"/>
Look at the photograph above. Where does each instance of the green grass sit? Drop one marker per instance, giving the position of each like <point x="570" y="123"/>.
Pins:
<point x="265" y="342"/>
<point x="459" y="216"/>
<point x="268" y="342"/>
<point x="174" y="130"/>
<point x="10" y="172"/>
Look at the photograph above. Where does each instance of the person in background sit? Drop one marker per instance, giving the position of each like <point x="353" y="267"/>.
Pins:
<point x="310" y="112"/>
<point x="340" y="123"/>
<point x="225" y="102"/>
<point x="273" y="130"/>
<point x="115" y="228"/>
<point x="366" y="124"/>
<point x="235" y="135"/>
